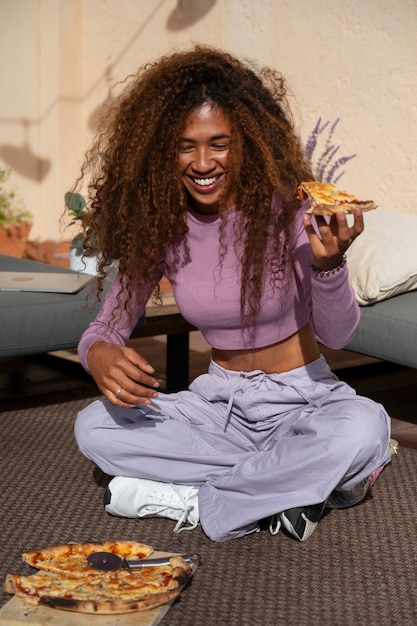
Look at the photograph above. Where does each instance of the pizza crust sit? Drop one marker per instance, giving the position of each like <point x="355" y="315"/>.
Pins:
<point x="327" y="199"/>
<point x="323" y="209"/>
<point x="113" y="607"/>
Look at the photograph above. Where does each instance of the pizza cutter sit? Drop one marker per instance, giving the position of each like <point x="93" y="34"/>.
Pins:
<point x="108" y="561"/>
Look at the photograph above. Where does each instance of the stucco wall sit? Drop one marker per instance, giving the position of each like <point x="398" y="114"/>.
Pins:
<point x="355" y="60"/>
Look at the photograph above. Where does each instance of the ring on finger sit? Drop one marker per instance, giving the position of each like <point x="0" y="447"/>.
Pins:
<point x="118" y="392"/>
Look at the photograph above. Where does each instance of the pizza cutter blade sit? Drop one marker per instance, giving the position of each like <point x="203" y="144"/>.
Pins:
<point x="109" y="562"/>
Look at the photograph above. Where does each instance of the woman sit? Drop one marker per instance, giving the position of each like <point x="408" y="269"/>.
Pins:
<point x="194" y="177"/>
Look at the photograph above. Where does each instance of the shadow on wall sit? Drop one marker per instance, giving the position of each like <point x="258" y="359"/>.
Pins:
<point x="187" y="12"/>
<point x="21" y="158"/>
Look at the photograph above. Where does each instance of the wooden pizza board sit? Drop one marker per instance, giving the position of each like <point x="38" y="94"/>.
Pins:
<point x="18" y="613"/>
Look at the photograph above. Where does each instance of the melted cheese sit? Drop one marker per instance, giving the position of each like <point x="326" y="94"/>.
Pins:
<point x="125" y="586"/>
<point x="72" y="558"/>
<point x="325" y="193"/>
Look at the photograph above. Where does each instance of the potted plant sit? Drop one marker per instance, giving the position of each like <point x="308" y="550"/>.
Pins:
<point x="15" y="220"/>
<point x="76" y="206"/>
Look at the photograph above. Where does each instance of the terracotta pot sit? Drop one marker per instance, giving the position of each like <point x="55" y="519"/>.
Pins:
<point x="13" y="238"/>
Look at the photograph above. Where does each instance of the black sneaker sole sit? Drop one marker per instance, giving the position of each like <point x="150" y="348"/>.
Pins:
<point x="106" y="496"/>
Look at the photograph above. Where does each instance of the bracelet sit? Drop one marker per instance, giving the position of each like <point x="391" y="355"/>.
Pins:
<point x="331" y="270"/>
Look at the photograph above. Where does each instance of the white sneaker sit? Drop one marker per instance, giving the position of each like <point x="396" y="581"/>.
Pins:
<point x="139" y="497"/>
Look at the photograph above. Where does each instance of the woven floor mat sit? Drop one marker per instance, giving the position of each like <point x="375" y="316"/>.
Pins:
<point x="360" y="565"/>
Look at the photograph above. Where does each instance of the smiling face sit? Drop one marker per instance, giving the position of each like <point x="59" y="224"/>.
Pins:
<point x="203" y="156"/>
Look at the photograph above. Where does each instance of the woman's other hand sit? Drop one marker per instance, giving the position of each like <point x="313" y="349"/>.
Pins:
<point x="122" y="375"/>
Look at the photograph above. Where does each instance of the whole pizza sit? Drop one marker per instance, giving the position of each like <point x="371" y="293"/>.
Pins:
<point x="66" y="581"/>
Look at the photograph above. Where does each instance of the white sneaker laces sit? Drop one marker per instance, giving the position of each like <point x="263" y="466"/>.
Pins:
<point x="160" y="505"/>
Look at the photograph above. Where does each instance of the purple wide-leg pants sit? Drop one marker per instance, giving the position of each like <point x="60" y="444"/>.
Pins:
<point x="255" y="444"/>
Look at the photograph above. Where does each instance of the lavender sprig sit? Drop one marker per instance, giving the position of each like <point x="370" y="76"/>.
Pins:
<point x="312" y="140"/>
<point x="325" y="167"/>
<point x="335" y="167"/>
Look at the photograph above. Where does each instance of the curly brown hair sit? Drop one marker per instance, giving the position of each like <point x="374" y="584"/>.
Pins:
<point x="136" y="202"/>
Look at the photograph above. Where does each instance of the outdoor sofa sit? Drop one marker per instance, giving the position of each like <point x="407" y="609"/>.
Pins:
<point x="382" y="269"/>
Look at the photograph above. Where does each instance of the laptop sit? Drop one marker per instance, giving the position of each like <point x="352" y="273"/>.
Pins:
<point x="44" y="282"/>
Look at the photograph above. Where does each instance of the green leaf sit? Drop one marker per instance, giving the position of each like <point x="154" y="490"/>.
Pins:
<point x="75" y="203"/>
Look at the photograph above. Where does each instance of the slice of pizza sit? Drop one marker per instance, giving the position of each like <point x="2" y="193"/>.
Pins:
<point x="125" y="591"/>
<point x="71" y="558"/>
<point x="327" y="199"/>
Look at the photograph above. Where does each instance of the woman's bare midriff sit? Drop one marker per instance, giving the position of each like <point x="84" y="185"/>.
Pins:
<point x="295" y="351"/>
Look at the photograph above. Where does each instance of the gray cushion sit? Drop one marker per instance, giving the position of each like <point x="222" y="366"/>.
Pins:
<point x="388" y="330"/>
<point x="33" y="323"/>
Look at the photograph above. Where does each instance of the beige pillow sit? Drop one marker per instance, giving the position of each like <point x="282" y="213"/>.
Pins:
<point x="382" y="261"/>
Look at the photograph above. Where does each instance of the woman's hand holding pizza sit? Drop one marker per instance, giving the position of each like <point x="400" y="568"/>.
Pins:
<point x="332" y="237"/>
<point x="123" y="376"/>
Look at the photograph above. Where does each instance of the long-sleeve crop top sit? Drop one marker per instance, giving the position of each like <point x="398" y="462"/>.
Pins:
<point x="207" y="293"/>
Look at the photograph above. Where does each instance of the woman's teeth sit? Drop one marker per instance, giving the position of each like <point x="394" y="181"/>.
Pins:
<point x="205" y="182"/>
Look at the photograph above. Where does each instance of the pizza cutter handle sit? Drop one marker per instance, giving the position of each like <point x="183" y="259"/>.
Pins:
<point x="164" y="560"/>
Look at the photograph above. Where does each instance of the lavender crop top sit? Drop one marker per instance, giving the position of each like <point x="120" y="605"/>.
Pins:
<point x="207" y="294"/>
